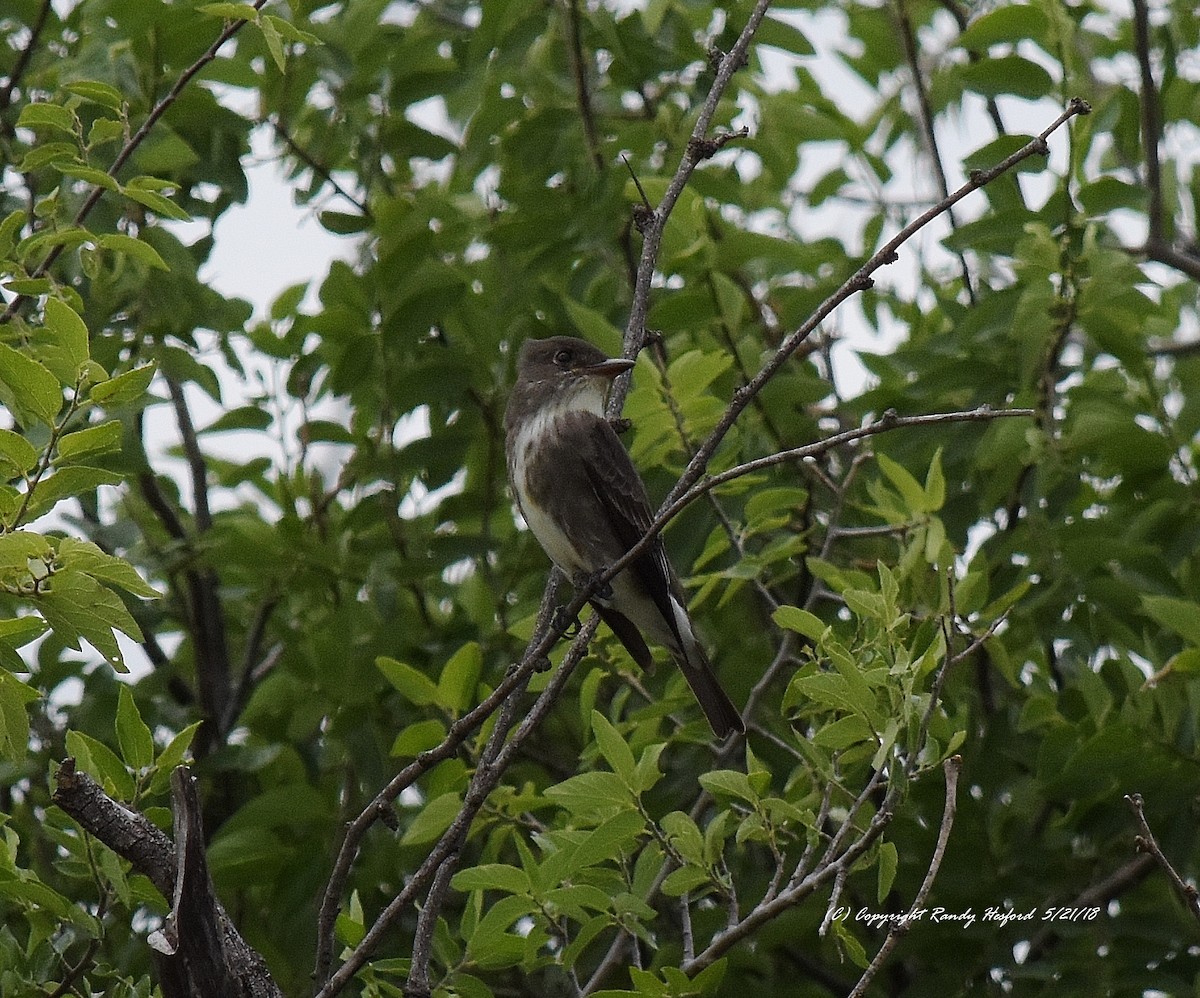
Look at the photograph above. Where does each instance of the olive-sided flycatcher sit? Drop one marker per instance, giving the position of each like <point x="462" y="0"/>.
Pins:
<point x="586" y="505"/>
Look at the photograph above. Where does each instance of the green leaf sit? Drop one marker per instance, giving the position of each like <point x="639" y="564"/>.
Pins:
<point x="593" y="326"/>
<point x="270" y="35"/>
<point x="289" y="31"/>
<point x="76" y="606"/>
<point x="417" y="738"/>
<point x="244" y="417"/>
<point x="172" y="756"/>
<point x="416" y="687"/>
<point x="47" y="154"/>
<point x="490" y="945"/>
<point x="793" y="618"/>
<point x="1010" y="22"/>
<point x="781" y="34"/>
<point x="615" y="750"/>
<point x="492" y="877"/>
<point x="230" y="11"/>
<point x="729" y="782"/>
<point x="132" y="247"/>
<point x="124" y="388"/>
<point x="433" y="819"/>
<point x="607" y="840"/>
<point x="889" y="859"/>
<point x="684" y="834"/>
<point x="849" y="730"/>
<point x="17" y="455"/>
<point x="152" y="199"/>
<point x="97" y="93"/>
<point x="73" y="480"/>
<point x="14" y="718"/>
<point x="88" y="174"/>
<point x="909" y="488"/>
<point x="86" y="557"/>
<point x="592" y="794"/>
<point x="460" y="678"/>
<point x="691" y="373"/>
<point x="47" y="116"/>
<point x="832" y="690"/>
<point x="1009" y="74"/>
<point x="99" y="761"/>
<point x="104" y="438"/>
<point x="69" y="332"/>
<point x="935" y="484"/>
<point x="684" y="880"/>
<point x="1180" y="616"/>
<point x="648" y="772"/>
<point x="133" y="735"/>
<point x="28" y="388"/>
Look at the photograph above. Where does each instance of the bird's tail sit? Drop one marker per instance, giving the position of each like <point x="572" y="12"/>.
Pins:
<point x="722" y="715"/>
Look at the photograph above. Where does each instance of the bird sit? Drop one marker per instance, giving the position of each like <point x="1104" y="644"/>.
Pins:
<point x="586" y="505"/>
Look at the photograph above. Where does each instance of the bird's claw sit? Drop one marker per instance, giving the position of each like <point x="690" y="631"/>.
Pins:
<point x="566" y="624"/>
<point x="589" y="582"/>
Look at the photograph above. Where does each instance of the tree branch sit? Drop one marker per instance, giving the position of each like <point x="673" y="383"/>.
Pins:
<point x="926" y="116"/>
<point x="1146" y="842"/>
<point x="579" y="70"/>
<point x="1151" y="126"/>
<point x="951" y="767"/>
<point x="201" y="951"/>
<point x="22" y="63"/>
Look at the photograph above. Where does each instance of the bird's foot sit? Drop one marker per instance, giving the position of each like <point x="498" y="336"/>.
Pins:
<point x="588" y="582"/>
<point x="567" y="625"/>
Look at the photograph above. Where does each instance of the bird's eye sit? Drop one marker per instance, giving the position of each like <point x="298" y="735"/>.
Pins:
<point x="562" y="358"/>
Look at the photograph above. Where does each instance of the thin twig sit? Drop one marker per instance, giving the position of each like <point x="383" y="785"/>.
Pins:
<point x="1146" y="842"/>
<point x="579" y="69"/>
<point x="320" y="169"/>
<point x="952" y="766"/>
<point x="1151" y="126"/>
<point x="22" y="63"/>
<point x="908" y="36"/>
<point x="382" y="801"/>
<point x="656" y="223"/>
<point x="482" y="783"/>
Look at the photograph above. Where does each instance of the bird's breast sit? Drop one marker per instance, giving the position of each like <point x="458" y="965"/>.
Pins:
<point x="529" y="458"/>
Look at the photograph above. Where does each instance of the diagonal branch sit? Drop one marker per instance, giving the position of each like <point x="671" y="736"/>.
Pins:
<point x="1146" y="842"/>
<point x="22" y="63"/>
<point x="656" y="221"/>
<point x="951" y="767"/>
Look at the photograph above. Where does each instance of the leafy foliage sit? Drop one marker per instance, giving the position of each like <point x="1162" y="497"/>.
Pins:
<point x="324" y="604"/>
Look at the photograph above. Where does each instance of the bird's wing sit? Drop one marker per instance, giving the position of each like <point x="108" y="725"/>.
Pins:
<point x="622" y="496"/>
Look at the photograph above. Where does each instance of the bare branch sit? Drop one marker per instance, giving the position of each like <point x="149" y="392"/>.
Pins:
<point x="201" y="950"/>
<point x="382" y="802"/>
<point x="1146" y="842"/>
<point x="908" y="36"/>
<point x="579" y="70"/>
<point x="952" y="767"/>
<point x="656" y="223"/>
<point x="1151" y="126"/>
<point x="482" y="783"/>
<point x="22" y="63"/>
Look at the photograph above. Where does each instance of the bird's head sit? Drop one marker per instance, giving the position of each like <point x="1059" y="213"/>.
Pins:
<point x="565" y="373"/>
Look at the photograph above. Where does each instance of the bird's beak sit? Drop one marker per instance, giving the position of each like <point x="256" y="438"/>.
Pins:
<point x="607" y="368"/>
